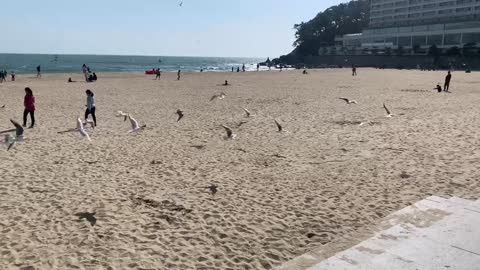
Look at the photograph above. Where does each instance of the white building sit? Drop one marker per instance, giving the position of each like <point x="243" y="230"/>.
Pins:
<point x="418" y="24"/>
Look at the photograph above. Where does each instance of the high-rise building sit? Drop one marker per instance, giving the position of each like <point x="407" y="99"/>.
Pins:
<point x="418" y="24"/>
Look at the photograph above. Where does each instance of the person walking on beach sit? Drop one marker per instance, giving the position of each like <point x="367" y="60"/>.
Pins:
<point x="13" y="76"/>
<point x="178" y="75"/>
<point x="2" y="76"/>
<point x="29" y="103"/>
<point x="354" y="70"/>
<point x="243" y="67"/>
<point x="84" y="70"/>
<point x="158" y="74"/>
<point x="90" y="107"/>
<point x="448" y="78"/>
<point x="39" y="74"/>
<point x="258" y="67"/>
<point x="232" y="69"/>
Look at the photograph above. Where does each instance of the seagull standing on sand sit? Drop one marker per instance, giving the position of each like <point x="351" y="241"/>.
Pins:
<point x="122" y="114"/>
<point x="135" y="126"/>
<point x="389" y="114"/>
<point x="81" y="130"/>
<point x="230" y="134"/>
<point x="180" y="114"/>
<point x="348" y="101"/>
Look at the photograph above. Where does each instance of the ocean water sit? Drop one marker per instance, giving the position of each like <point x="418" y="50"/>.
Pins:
<point x="27" y="63"/>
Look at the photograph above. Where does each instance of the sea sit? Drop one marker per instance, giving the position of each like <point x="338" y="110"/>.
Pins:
<point x="63" y="63"/>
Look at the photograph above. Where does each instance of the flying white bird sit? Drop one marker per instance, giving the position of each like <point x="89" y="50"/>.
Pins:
<point x="348" y="101"/>
<point x="389" y="114"/>
<point x="230" y="134"/>
<point x="219" y="96"/>
<point x="135" y="126"/>
<point x="247" y="112"/>
<point x="122" y="114"/>
<point x="81" y="129"/>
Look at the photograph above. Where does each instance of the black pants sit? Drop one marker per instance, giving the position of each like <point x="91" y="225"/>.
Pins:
<point x="32" y="117"/>
<point x="446" y="86"/>
<point x="92" y="112"/>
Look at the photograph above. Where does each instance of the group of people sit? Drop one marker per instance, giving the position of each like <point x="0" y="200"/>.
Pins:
<point x="89" y="76"/>
<point x="238" y="68"/>
<point x="4" y="75"/>
<point x="446" y="85"/>
<point x="29" y="104"/>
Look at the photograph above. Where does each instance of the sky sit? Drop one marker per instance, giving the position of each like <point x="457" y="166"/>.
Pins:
<point x="228" y="28"/>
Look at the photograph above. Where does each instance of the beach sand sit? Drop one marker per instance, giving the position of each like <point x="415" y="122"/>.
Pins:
<point x="280" y="194"/>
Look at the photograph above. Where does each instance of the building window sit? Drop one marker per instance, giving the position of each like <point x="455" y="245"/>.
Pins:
<point x="404" y="41"/>
<point x="452" y="39"/>
<point x="435" y="40"/>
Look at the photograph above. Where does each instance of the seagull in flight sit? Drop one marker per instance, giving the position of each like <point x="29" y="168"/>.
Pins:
<point x="212" y="188"/>
<point x="181" y="3"/>
<point x="230" y="134"/>
<point x="122" y="114"/>
<point x="135" y="126"/>
<point x="219" y="96"/>
<point x="389" y="114"/>
<point x="81" y="130"/>
<point x="180" y="114"/>
<point x="248" y="113"/>
<point x="349" y="101"/>
<point x="280" y="128"/>
<point x="12" y="140"/>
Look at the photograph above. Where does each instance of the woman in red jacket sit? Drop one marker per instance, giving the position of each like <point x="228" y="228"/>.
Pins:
<point x="29" y="103"/>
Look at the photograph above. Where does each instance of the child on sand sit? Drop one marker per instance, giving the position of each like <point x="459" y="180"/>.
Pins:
<point x="90" y="107"/>
<point x="29" y="103"/>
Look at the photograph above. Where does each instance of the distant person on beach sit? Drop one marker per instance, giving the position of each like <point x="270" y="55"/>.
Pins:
<point x="448" y="78"/>
<point x="238" y="69"/>
<point x="84" y="70"/>
<point x="158" y="74"/>
<point x="39" y="74"/>
<point x="179" y="74"/>
<point x="90" y="107"/>
<point x="438" y="88"/>
<point x="232" y="69"/>
<point x="29" y="103"/>
<point x="354" y="70"/>
<point x="305" y="72"/>
<point x="226" y="83"/>
<point x="13" y="76"/>
<point x="258" y="67"/>
<point x="281" y="68"/>
<point x="243" y="67"/>
<point x="90" y="78"/>
<point x="2" y="76"/>
<point x="94" y="77"/>
<point x="70" y="80"/>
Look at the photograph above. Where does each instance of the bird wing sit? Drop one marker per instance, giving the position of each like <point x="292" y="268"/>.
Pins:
<point x="213" y="97"/>
<point x="386" y="109"/>
<point x="79" y="123"/>
<point x="133" y="122"/>
<point x="278" y="125"/>
<point x="346" y="99"/>
<point x="11" y="144"/>
<point x="18" y="128"/>
<point x="229" y="131"/>
<point x="247" y="111"/>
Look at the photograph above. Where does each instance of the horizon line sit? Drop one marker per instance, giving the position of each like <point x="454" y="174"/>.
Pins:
<point x="146" y="55"/>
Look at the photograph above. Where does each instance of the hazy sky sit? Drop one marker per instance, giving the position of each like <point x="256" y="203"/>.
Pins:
<point x="257" y="28"/>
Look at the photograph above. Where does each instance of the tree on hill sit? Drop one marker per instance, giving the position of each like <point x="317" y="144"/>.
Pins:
<point x="346" y="18"/>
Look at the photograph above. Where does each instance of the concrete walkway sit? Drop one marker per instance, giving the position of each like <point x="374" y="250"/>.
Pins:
<point x="432" y="234"/>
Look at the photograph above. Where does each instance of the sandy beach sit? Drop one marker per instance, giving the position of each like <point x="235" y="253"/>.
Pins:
<point x="280" y="194"/>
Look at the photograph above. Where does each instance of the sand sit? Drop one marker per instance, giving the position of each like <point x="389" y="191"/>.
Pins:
<point x="280" y="194"/>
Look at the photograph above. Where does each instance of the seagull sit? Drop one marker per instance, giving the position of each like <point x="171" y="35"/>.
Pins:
<point x="81" y="129"/>
<point x="9" y="141"/>
<point x="181" y="3"/>
<point x="230" y="134"/>
<point x="135" y="126"/>
<point x="3" y="107"/>
<point x="18" y="129"/>
<point x="180" y="114"/>
<point x="122" y="114"/>
<point x="241" y="123"/>
<point x="349" y="101"/>
<point x="389" y="114"/>
<point x="219" y="96"/>
<point x="213" y="188"/>
<point x="90" y="217"/>
<point x="278" y="125"/>
<point x="247" y="112"/>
